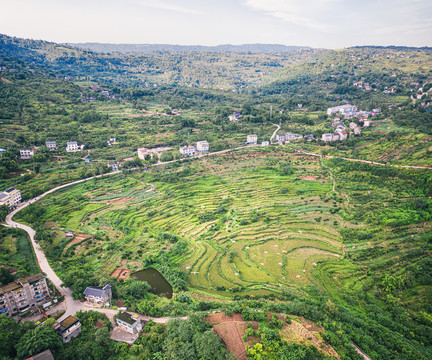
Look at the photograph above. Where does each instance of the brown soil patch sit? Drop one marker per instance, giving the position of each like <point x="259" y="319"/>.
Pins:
<point x="118" y="201"/>
<point x="231" y="329"/>
<point x="307" y="332"/>
<point x="310" y="178"/>
<point x="120" y="273"/>
<point x="80" y="237"/>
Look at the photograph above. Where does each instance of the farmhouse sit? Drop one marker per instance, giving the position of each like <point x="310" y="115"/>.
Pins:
<point x="352" y="125"/>
<point x="326" y="137"/>
<point x="111" y="141"/>
<point x="202" y="146"/>
<point x="51" y="145"/>
<point x="27" y="153"/>
<point x="189" y="150"/>
<point x="357" y="131"/>
<point x="2" y="151"/>
<point x="265" y="143"/>
<point x="288" y="137"/>
<point x="10" y="197"/>
<point x="343" y="135"/>
<point x="346" y="110"/>
<point x="72" y="146"/>
<point x="128" y="322"/>
<point x="68" y="329"/>
<point x="98" y="295"/>
<point x="22" y="294"/>
<point x="114" y="166"/>
<point x="44" y="355"/>
<point x="251" y="139"/>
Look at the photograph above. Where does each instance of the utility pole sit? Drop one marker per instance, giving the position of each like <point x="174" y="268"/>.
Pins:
<point x="271" y="111"/>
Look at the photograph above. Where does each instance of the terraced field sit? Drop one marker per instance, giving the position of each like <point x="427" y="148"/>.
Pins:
<point x="249" y="228"/>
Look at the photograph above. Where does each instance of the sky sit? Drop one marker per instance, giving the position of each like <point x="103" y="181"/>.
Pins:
<point x="317" y="23"/>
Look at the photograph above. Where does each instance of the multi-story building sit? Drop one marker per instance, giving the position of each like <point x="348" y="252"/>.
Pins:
<point x="27" y="153"/>
<point x="72" y="146"/>
<point x="98" y="295"/>
<point x="288" y="137"/>
<point x="252" y="139"/>
<point x="326" y="137"/>
<point x="130" y="323"/>
<point x="23" y="294"/>
<point x="68" y="329"/>
<point x="346" y="110"/>
<point x="51" y="145"/>
<point x="10" y="197"/>
<point x="187" y="150"/>
<point x="202" y="146"/>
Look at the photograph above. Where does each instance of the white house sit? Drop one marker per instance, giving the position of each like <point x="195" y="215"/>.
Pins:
<point x="345" y="110"/>
<point x="10" y="197"/>
<point x="202" y="146"/>
<point x="72" y="146"/>
<point x="357" y="131"/>
<point x="98" y="295"/>
<point x="326" y="137"/>
<point x="343" y="135"/>
<point x="128" y="322"/>
<point x="265" y="143"/>
<point x="352" y="125"/>
<point x="111" y="141"/>
<point x="189" y="150"/>
<point x="366" y="123"/>
<point x="51" y="145"/>
<point x="27" y="153"/>
<point x="252" y="139"/>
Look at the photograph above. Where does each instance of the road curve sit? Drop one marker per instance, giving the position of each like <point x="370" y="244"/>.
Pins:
<point x="73" y="306"/>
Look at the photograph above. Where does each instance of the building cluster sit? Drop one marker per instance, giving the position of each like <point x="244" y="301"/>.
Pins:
<point x="345" y="110"/>
<point x="11" y="197"/>
<point x="23" y="294"/>
<point x="287" y="137"/>
<point x="190" y="150"/>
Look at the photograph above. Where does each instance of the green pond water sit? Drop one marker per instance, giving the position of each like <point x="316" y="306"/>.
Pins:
<point x="156" y="280"/>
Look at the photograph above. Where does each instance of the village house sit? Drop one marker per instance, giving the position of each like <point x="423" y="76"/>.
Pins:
<point x="98" y="295"/>
<point x="10" y="197"/>
<point x="343" y="135"/>
<point x="2" y="151"/>
<point x="335" y="137"/>
<point x="189" y="150"/>
<point x="72" y="146"/>
<point x="114" y="166"/>
<point x="352" y="125"/>
<point x="252" y="139"/>
<point x="51" y="145"/>
<point x="27" y="153"/>
<point x="68" y="329"/>
<point x="265" y="143"/>
<point x="235" y="116"/>
<point x="326" y="137"/>
<point x="128" y="322"/>
<point x="357" y="131"/>
<point x="288" y="137"/>
<point x="202" y="146"/>
<point x="22" y="294"/>
<point x="309" y="137"/>
<point x="366" y="122"/>
<point x="44" y="355"/>
<point x="346" y="110"/>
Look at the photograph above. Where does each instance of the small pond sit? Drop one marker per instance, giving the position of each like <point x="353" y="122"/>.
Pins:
<point x="156" y="280"/>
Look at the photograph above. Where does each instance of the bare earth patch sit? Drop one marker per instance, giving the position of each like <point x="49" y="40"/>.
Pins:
<point x="117" y="201"/>
<point x="307" y="332"/>
<point x="120" y="273"/>
<point x="231" y="329"/>
<point x="310" y="178"/>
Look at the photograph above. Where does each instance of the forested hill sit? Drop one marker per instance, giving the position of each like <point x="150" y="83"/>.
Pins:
<point x="144" y="48"/>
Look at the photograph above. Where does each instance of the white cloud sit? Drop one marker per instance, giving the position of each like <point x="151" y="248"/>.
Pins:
<point x="305" y="13"/>
<point x="156" y="4"/>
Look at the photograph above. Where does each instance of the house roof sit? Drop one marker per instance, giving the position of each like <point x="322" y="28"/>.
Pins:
<point x="68" y="322"/>
<point x="44" y="355"/>
<point x="96" y="291"/>
<point x="50" y="142"/>
<point x="2" y="196"/>
<point x="127" y="318"/>
<point x="18" y="284"/>
<point x="10" y="190"/>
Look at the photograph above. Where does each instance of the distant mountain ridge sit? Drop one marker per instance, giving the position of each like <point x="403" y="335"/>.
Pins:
<point x="143" y="48"/>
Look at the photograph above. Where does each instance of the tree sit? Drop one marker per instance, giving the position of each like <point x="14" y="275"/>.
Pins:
<point x="9" y="335"/>
<point x="4" y="210"/>
<point x="5" y="275"/>
<point x="37" y="340"/>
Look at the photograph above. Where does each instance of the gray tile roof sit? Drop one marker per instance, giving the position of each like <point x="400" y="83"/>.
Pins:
<point x="96" y="291"/>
